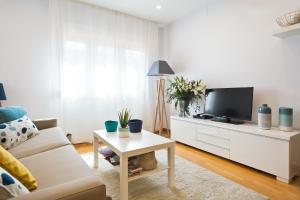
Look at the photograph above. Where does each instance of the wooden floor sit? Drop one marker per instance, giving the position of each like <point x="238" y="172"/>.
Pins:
<point x="259" y="181"/>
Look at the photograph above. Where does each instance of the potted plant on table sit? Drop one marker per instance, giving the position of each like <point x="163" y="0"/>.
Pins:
<point x="124" y="117"/>
<point x="183" y="93"/>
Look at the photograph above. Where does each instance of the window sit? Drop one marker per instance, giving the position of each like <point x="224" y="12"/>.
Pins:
<point x="101" y="71"/>
<point x="74" y="69"/>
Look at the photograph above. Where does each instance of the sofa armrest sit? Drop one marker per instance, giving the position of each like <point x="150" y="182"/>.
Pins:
<point x="45" y="123"/>
<point x="85" y="188"/>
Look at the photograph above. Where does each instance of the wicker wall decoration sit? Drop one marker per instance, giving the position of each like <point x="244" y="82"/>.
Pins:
<point x="289" y="19"/>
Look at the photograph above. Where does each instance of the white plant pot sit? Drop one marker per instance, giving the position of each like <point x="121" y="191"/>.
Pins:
<point x="123" y="132"/>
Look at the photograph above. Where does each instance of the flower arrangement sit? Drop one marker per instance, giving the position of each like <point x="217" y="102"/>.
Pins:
<point x="183" y="93"/>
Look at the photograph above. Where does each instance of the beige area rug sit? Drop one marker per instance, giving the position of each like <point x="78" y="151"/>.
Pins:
<point x="192" y="182"/>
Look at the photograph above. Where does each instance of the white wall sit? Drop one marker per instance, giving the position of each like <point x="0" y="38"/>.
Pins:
<point x="227" y="45"/>
<point x="24" y="53"/>
<point x="230" y="44"/>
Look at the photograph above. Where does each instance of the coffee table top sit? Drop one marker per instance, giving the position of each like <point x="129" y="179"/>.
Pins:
<point x="135" y="144"/>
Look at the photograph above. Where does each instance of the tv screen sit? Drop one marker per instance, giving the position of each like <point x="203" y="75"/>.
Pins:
<point x="234" y="103"/>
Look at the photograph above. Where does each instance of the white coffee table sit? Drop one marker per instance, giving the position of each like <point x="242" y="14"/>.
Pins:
<point x="136" y="144"/>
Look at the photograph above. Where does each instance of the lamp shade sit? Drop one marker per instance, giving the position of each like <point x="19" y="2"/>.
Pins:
<point x="160" y="68"/>
<point x="2" y="92"/>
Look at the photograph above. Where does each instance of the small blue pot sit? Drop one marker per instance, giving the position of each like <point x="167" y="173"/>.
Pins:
<point x="135" y="125"/>
<point x="111" y="126"/>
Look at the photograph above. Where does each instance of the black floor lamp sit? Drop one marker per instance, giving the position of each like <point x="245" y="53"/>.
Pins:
<point x="159" y="69"/>
<point x="2" y="94"/>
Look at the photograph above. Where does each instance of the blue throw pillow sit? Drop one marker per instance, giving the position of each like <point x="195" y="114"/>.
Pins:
<point x="11" y="113"/>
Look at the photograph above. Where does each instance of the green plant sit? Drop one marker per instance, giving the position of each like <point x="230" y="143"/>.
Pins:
<point x="183" y="92"/>
<point x="124" y="117"/>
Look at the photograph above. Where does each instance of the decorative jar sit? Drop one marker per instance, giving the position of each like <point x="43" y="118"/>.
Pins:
<point x="264" y="117"/>
<point x="285" y="119"/>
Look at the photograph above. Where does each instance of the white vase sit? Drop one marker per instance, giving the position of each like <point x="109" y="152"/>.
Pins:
<point x="123" y="132"/>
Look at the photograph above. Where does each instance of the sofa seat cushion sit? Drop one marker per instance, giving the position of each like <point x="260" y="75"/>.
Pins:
<point x="47" y="139"/>
<point x="57" y="166"/>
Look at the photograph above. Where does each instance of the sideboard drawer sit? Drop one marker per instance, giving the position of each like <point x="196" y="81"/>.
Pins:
<point x="213" y="140"/>
<point x="206" y="129"/>
<point x="213" y="131"/>
<point x="213" y="149"/>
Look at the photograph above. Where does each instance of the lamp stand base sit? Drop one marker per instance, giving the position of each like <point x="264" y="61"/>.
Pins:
<point x="160" y="110"/>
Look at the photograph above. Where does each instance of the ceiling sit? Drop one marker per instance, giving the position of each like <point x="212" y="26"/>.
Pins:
<point x="170" y="11"/>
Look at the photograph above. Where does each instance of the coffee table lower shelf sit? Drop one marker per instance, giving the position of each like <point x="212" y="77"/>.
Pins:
<point x="160" y="167"/>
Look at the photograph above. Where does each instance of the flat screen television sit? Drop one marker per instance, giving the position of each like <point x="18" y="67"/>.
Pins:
<point x="233" y="103"/>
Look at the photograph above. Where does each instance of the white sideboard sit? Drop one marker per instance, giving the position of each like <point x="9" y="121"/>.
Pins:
<point x="273" y="151"/>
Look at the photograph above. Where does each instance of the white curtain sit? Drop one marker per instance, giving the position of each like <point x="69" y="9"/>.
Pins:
<point x="101" y="58"/>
